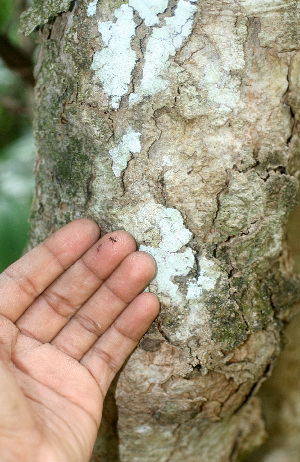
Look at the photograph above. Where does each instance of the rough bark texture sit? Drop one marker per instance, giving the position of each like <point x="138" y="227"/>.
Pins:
<point x="280" y="395"/>
<point x="177" y="121"/>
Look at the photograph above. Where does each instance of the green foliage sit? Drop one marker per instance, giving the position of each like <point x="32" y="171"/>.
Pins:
<point x="13" y="231"/>
<point x="7" y="8"/>
<point x="12" y="91"/>
<point x="16" y="144"/>
<point x="16" y="185"/>
<point x="9" y="19"/>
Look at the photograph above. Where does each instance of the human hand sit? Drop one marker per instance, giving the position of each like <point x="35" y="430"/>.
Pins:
<point x="70" y="314"/>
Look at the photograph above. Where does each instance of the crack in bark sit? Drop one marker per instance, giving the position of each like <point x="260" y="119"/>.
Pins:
<point x="235" y="445"/>
<point x="245" y="321"/>
<point x="198" y="366"/>
<point x="282" y="170"/>
<point x="222" y="191"/>
<point x="164" y="335"/>
<point x="161" y="182"/>
<point x="90" y="188"/>
<point x="285" y="98"/>
<point x="255" y="387"/>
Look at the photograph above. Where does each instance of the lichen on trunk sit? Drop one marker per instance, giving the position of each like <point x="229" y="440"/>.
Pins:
<point x="176" y="120"/>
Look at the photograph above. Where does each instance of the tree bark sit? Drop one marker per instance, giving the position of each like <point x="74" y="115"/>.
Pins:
<point x="280" y="395"/>
<point x="177" y="121"/>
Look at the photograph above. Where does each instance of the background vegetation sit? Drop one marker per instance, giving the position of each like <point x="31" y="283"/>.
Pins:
<point x="16" y="139"/>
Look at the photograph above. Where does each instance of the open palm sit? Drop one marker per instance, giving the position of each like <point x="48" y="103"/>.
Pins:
<point x="70" y="314"/>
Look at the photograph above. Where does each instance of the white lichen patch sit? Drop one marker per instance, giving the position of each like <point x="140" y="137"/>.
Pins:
<point x="92" y="8"/>
<point x="120" y="155"/>
<point x="114" y="64"/>
<point x="163" y="43"/>
<point x="197" y="318"/>
<point x="165" y="230"/>
<point x="171" y="260"/>
<point x="208" y="276"/>
<point x="149" y="9"/>
<point x="196" y="323"/>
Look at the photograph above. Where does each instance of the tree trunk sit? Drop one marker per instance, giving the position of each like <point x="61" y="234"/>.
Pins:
<point x="177" y="121"/>
<point x="280" y="395"/>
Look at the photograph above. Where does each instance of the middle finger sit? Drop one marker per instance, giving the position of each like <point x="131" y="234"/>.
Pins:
<point x="101" y="310"/>
<point x="53" y="309"/>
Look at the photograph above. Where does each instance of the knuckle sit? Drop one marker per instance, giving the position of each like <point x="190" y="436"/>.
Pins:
<point x="59" y="303"/>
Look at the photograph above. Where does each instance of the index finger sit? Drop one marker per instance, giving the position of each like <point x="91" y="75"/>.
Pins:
<point x="23" y="281"/>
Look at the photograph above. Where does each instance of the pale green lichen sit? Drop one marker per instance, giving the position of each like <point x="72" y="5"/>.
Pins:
<point x="163" y="43"/>
<point x="92" y="7"/>
<point x="170" y="262"/>
<point x="120" y="155"/>
<point x="165" y="229"/>
<point x="208" y="276"/>
<point x="114" y="64"/>
<point x="198" y="316"/>
<point x="149" y="10"/>
<point x="112" y="5"/>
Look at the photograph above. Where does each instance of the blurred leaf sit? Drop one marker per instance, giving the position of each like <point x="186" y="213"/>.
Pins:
<point x="7" y="10"/>
<point x="16" y="186"/>
<point x="14" y="228"/>
<point x="13" y="120"/>
<point x="8" y="79"/>
<point x="16" y="140"/>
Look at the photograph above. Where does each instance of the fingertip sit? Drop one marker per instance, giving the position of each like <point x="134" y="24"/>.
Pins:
<point x="123" y="239"/>
<point x="150" y="303"/>
<point x="72" y="240"/>
<point x="88" y="226"/>
<point x="80" y="230"/>
<point x="140" y="268"/>
<point x="136" y="319"/>
<point x="151" y="263"/>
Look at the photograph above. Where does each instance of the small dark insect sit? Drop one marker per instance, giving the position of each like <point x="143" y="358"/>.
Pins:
<point x="112" y="239"/>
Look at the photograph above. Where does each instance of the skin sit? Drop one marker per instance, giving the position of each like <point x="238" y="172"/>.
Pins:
<point x="71" y="312"/>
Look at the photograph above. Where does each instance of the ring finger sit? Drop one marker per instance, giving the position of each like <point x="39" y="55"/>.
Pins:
<point x="101" y="310"/>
